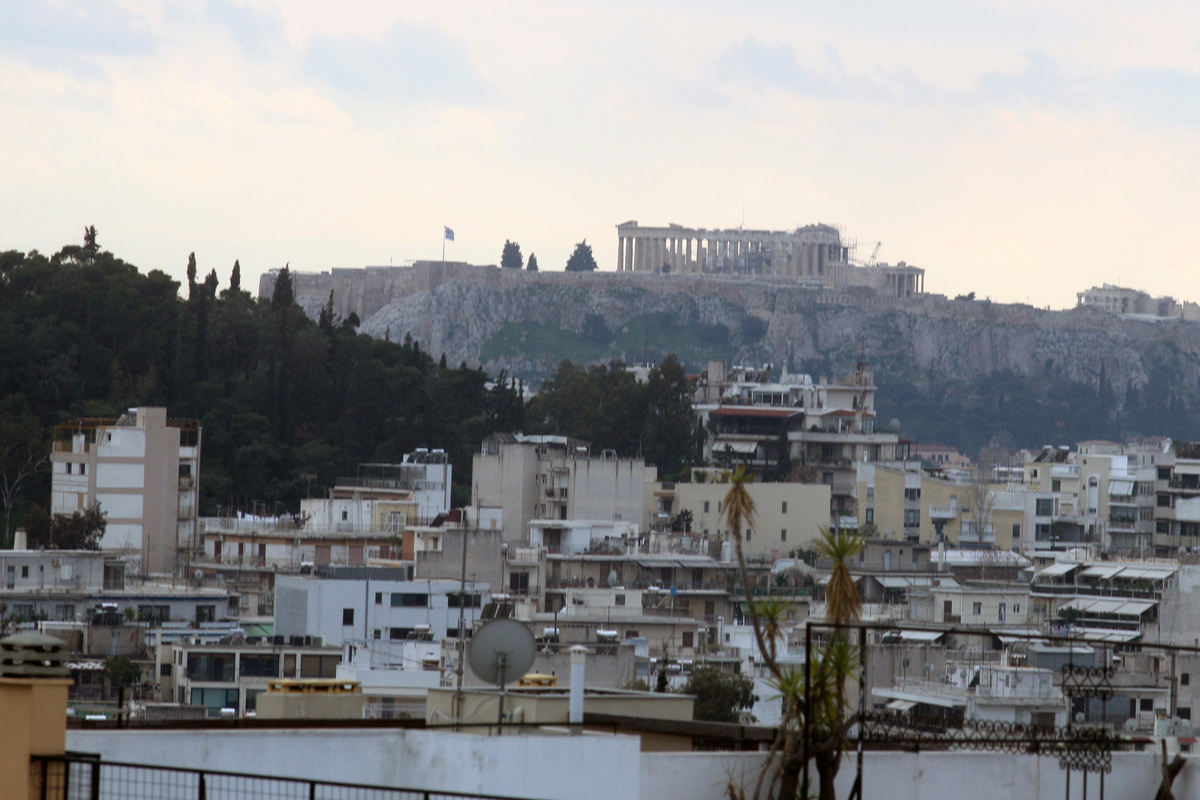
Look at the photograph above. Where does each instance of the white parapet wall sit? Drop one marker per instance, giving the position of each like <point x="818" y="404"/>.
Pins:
<point x="536" y="767"/>
<point x="603" y="767"/>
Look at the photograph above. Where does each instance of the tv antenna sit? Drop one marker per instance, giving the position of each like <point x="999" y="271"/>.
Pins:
<point x="501" y="652"/>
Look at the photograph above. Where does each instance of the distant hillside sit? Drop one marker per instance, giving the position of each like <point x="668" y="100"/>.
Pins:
<point x="952" y="371"/>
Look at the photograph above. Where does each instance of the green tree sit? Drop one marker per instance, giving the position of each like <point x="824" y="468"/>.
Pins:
<point x="720" y="696"/>
<point x="120" y="671"/>
<point x="82" y="530"/>
<point x="581" y="259"/>
<point x="532" y="266"/>
<point x="23" y="454"/>
<point x="511" y="257"/>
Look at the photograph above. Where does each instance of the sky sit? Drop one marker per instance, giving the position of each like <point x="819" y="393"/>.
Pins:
<point x="1024" y="151"/>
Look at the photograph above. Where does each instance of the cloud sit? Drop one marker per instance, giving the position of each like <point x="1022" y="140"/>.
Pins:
<point x="70" y="35"/>
<point x="1158" y="94"/>
<point x="258" y="33"/>
<point x="408" y="66"/>
<point x="756" y="63"/>
<point x="1040" y="81"/>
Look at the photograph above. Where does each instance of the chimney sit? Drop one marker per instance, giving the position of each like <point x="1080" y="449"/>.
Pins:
<point x="33" y="704"/>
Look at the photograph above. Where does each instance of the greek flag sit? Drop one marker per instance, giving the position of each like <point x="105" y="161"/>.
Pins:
<point x="449" y="234"/>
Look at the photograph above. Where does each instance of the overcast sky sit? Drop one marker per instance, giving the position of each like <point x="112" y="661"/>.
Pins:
<point x="1021" y="150"/>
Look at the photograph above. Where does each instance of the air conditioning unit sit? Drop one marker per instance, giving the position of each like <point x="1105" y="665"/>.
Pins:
<point x="56" y="562"/>
<point x="318" y="641"/>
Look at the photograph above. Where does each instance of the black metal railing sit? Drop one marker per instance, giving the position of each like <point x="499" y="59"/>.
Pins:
<point x="87" y="777"/>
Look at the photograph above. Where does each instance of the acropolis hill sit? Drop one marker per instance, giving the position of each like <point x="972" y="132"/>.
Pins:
<point x="526" y="322"/>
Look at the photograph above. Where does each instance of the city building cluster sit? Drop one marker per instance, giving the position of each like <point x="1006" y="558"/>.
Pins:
<point x="986" y="586"/>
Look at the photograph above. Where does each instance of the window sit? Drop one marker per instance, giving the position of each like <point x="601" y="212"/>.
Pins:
<point x="705" y="506"/>
<point x="206" y="613"/>
<point x="912" y="494"/>
<point x="1056" y="485"/>
<point x="1183" y="713"/>
<point x="619" y="599"/>
<point x="399" y="633"/>
<point x="1002" y="612"/>
<point x="1016" y="608"/>
<point x="1163" y="501"/>
<point x="215" y="699"/>
<point x="154" y="614"/>
<point x="977" y="608"/>
<point x="1146" y="704"/>
<point x="912" y="518"/>
<point x="252" y="699"/>
<point x="1044" y="507"/>
<point x="748" y="533"/>
<point x="379" y="598"/>
<point x="688" y="639"/>
<point x="313" y="666"/>
<point x="83" y="469"/>
<point x="1185" y="679"/>
<point x="347" y="616"/>
<point x="1164" y="473"/>
<point x="256" y="665"/>
<point x="69" y="468"/>
<point x="409" y="600"/>
<point x="210" y="667"/>
<point x="871" y="516"/>
<point x="784" y="511"/>
<point x="64" y="612"/>
<point x="164" y="670"/>
<point x="783" y="535"/>
<point x="377" y="634"/>
<point x="185" y="470"/>
<point x="1016" y="531"/>
<point x="25" y="571"/>
<point x="473" y="600"/>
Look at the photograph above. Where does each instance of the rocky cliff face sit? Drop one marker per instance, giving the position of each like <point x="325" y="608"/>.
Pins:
<point x="1061" y="375"/>
<point x="922" y="338"/>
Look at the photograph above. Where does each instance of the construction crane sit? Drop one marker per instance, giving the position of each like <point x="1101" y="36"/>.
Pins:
<point x="874" y="253"/>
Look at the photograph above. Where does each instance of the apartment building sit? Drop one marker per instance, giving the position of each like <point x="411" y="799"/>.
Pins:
<point x="827" y="426"/>
<point x="788" y="516"/>
<point x="144" y="471"/>
<point x="518" y="478"/>
<point x="347" y="604"/>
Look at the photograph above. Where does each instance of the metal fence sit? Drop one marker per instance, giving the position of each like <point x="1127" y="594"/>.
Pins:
<point x="84" y="777"/>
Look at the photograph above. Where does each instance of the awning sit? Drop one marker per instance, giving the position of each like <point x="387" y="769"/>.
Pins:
<point x="741" y="448"/>
<point x="1103" y="571"/>
<point x="900" y="705"/>
<point x="1104" y="635"/>
<point x="921" y="636"/>
<point x="1104" y="605"/>
<point x="1146" y="573"/>
<point x="1056" y="569"/>
<point x="1120" y="487"/>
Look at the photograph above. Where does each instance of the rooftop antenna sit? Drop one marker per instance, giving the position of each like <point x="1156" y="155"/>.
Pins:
<point x="501" y="652"/>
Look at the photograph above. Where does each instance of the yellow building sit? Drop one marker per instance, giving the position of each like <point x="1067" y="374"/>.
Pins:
<point x="920" y="508"/>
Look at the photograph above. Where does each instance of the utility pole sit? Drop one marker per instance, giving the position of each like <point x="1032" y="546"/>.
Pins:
<point x="458" y="661"/>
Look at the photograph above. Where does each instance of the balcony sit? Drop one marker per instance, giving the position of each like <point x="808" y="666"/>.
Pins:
<point x="943" y="512"/>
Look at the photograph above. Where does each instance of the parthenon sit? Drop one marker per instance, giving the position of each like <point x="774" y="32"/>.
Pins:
<point x="813" y="252"/>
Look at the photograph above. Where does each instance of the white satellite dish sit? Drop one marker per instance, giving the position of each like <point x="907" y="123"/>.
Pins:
<point x="501" y="652"/>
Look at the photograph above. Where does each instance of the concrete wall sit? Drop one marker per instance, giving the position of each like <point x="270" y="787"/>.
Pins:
<point x="604" y="767"/>
<point x="775" y="530"/>
<point x="536" y="767"/>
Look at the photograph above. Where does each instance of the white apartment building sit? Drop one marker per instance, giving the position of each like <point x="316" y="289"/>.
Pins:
<point x="144" y="471"/>
<point x="384" y="497"/>
<point x="372" y="604"/>
<point x="519" y="478"/>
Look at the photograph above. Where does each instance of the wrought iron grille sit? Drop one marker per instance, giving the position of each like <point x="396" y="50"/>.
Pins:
<point x="81" y="777"/>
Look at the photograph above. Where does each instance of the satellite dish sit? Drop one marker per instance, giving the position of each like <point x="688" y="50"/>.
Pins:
<point x="501" y="651"/>
<point x="198" y="574"/>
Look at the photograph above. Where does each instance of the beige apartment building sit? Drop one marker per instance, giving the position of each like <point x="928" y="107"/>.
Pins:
<point x="517" y="478"/>
<point x="787" y="515"/>
<point x="144" y="471"/>
<point x="920" y="508"/>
